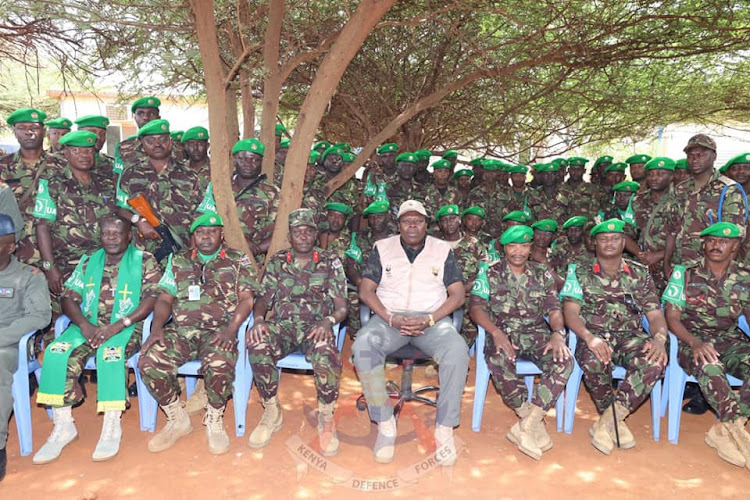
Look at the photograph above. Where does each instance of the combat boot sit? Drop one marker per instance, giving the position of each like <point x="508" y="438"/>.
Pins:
<point x="525" y="434"/>
<point x="601" y="432"/>
<point x="719" y="439"/>
<point x="543" y="439"/>
<point x="740" y="437"/>
<point x="270" y="423"/>
<point x="627" y="440"/>
<point x="63" y="433"/>
<point x="178" y="425"/>
<point x="198" y="401"/>
<point x="109" y="441"/>
<point x="329" y="441"/>
<point x="218" y="441"/>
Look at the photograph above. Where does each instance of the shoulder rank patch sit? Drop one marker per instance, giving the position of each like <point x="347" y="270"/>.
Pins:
<point x="336" y="264"/>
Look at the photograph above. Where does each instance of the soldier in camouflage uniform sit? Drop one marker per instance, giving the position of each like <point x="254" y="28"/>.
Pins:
<point x="130" y="150"/>
<point x="69" y="203"/>
<point x="603" y="301"/>
<point x="462" y="178"/>
<point x="571" y="246"/>
<point x="510" y="300"/>
<point x="98" y="125"/>
<point x="696" y="202"/>
<point x="637" y="167"/>
<point x="452" y="156"/>
<point x="55" y="130"/>
<point x="387" y="161"/>
<point x="578" y="196"/>
<point x="422" y="175"/>
<point x="208" y="290"/>
<point x="545" y="232"/>
<point x="472" y="221"/>
<point x="544" y="202"/>
<point x="167" y="185"/>
<point x="703" y="302"/>
<point x="514" y="218"/>
<point x="114" y="240"/>
<point x="490" y="196"/>
<point x="597" y="170"/>
<point x="620" y="208"/>
<point x="681" y="172"/>
<point x="404" y="187"/>
<point x="440" y="193"/>
<point x="336" y="237"/>
<point x="332" y="160"/>
<point x="196" y="144"/>
<point x="519" y="190"/>
<point x="257" y="199"/>
<point x="306" y="288"/>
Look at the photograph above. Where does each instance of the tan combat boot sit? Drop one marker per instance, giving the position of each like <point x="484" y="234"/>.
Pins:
<point x="178" y="425"/>
<point x="719" y="439"/>
<point x="270" y="422"/>
<point x="198" y="401"/>
<point x="543" y="439"/>
<point x="218" y="441"/>
<point x="601" y="432"/>
<point x="740" y="437"/>
<point x="525" y="435"/>
<point x="329" y="441"/>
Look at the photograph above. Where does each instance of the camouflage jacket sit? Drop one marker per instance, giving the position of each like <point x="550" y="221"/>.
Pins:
<point x="20" y="177"/>
<point x="653" y="220"/>
<point x="469" y="252"/>
<point x="580" y="199"/>
<point x="257" y="207"/>
<point x="435" y="200"/>
<point x="563" y="254"/>
<point x="494" y="203"/>
<point x="547" y="206"/>
<point x="398" y="192"/>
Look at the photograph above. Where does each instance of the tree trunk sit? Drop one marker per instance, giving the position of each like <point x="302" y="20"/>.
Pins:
<point x="271" y="84"/>
<point x="248" y="105"/>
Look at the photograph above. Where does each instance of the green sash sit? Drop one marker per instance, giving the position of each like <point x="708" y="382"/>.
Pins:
<point x="110" y="356"/>
<point x="208" y="204"/>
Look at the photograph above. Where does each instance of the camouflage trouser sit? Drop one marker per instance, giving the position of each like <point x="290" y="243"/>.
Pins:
<point x="158" y="366"/>
<point x="640" y="376"/>
<point x="77" y="360"/>
<point x="512" y="387"/>
<point x="469" y="330"/>
<point x="288" y="337"/>
<point x="734" y="359"/>
<point x="352" y="321"/>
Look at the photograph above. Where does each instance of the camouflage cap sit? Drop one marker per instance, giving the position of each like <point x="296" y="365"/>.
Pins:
<point x="637" y="159"/>
<point x="447" y="210"/>
<point x="61" y="123"/>
<point x="206" y="219"/>
<point x="407" y="157"/>
<point x="284" y="144"/>
<point x="463" y="172"/>
<point x="177" y="135"/>
<point x="620" y="166"/>
<point x="547" y="225"/>
<point x="740" y="159"/>
<point x="450" y="154"/>
<point x="608" y="226"/>
<point x="376" y="207"/>
<point x="339" y="207"/>
<point x="579" y="161"/>
<point x="390" y="147"/>
<point x="722" y="230"/>
<point x="517" y="234"/>
<point x="79" y="139"/>
<point x="517" y="216"/>
<point x="154" y="127"/>
<point x="252" y="145"/>
<point x="681" y="164"/>
<point x="31" y="115"/>
<point x="302" y="217"/>
<point x="660" y="163"/>
<point x="478" y="211"/>
<point x="6" y="225"/>
<point x="627" y="187"/>
<point x="442" y="164"/>
<point x="700" y="140"/>
<point x="145" y="102"/>
<point x="279" y="130"/>
<point x="94" y="121"/>
<point x="575" y="221"/>
<point x="195" y="134"/>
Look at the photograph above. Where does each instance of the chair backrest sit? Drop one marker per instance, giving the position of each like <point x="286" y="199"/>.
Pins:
<point x="457" y="316"/>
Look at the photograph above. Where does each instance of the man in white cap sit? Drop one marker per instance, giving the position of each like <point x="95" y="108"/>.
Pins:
<point x="412" y="283"/>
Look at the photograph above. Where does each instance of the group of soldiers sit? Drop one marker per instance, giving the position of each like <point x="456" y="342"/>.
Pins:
<point x="535" y="249"/>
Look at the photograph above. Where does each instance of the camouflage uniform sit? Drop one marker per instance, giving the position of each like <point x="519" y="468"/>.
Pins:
<point x="608" y="317"/>
<point x="580" y="199"/>
<point x="494" y="203"/>
<point x="518" y="305"/>
<point x="518" y="200"/>
<point x="104" y="165"/>
<point x="195" y="323"/>
<point x="469" y="252"/>
<point x="300" y="299"/>
<point x="547" y="206"/>
<point x="257" y="206"/>
<point x="654" y="222"/>
<point x="80" y="355"/>
<point x="712" y="308"/>
<point x="398" y="192"/>
<point x="435" y="200"/>
<point x="563" y="254"/>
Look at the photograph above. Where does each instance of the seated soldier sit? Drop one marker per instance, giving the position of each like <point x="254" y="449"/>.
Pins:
<point x="306" y="288"/>
<point x="510" y="300"/>
<point x="24" y="307"/>
<point x="703" y="302"/>
<point x="208" y="290"/>
<point x="603" y="300"/>
<point x="106" y="297"/>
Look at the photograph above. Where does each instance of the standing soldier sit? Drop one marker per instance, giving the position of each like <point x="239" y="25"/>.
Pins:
<point x="621" y="208"/>
<point x="440" y="192"/>
<point x="472" y="220"/>
<point x="463" y="185"/>
<point x="510" y="301"/>
<point x="98" y="125"/>
<point x="404" y="187"/>
<point x="571" y="247"/>
<point x="208" y="290"/>
<point x="490" y="196"/>
<point x="578" y="196"/>
<point x="130" y="150"/>
<point x="636" y="165"/>
<point x="387" y="161"/>
<point x="452" y="156"/>
<point x="178" y="148"/>
<point x="544" y="201"/>
<point x="306" y="288"/>
<point x="519" y="191"/>
<point x="680" y="171"/>
<point x="603" y="301"/>
<point x="597" y="169"/>
<point x="422" y="175"/>
<point x="336" y="237"/>
<point x="196" y="144"/>
<point x="55" y="130"/>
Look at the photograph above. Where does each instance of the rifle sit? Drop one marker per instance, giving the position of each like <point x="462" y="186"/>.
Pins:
<point x="168" y="242"/>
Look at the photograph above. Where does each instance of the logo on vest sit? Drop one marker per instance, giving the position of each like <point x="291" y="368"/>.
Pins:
<point x="112" y="354"/>
<point x="60" y="347"/>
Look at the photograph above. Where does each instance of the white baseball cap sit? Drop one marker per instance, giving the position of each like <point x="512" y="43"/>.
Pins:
<point x="411" y="206"/>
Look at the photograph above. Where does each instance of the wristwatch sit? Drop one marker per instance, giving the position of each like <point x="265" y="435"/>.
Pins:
<point x="47" y="265"/>
<point x="432" y="320"/>
<point x="135" y="218"/>
<point x="127" y="321"/>
<point x="561" y="332"/>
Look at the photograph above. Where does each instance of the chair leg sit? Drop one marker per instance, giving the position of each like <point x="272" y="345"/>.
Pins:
<point x="571" y="397"/>
<point x="656" y="410"/>
<point x="22" y="405"/>
<point x="665" y="391"/>
<point x="146" y="403"/>
<point x="529" y="381"/>
<point x="481" y="382"/>
<point x="676" y="392"/>
<point x="559" y="411"/>
<point x="240" y="396"/>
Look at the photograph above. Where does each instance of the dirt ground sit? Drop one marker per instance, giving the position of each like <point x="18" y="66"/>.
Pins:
<point x="489" y="466"/>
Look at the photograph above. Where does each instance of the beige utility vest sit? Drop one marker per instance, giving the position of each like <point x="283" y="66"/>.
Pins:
<point x="412" y="287"/>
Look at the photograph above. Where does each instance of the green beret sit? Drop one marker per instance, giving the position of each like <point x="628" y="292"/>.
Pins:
<point x="627" y="187"/>
<point x="423" y="154"/>
<point x="616" y="167"/>
<point x="740" y="159"/>
<point x="660" y="163"/>
<point x="79" y="139"/>
<point x="348" y="157"/>
<point x="145" y="102"/>
<point x="154" y="127"/>
<point x="517" y="234"/>
<point x="26" y="115"/>
<point x="546" y="167"/>
<point x="519" y="169"/>
<point x="447" y="210"/>
<point x="608" y="226"/>
<point x="722" y="230"/>
<point x="579" y="161"/>
<point x="501" y="166"/>
<point x="463" y="172"/>
<point x="195" y="134"/>
<point x="476" y="161"/>
<point x="322" y="145"/>
<point x="284" y="144"/>
<point x="575" y="221"/>
<point x="376" y="207"/>
<point x="547" y="225"/>
<point x="206" y="219"/>
<point x="314" y="155"/>
<point x="344" y="146"/>
<point x="61" y="123"/>
<point x="339" y="207"/>
<point x="603" y="159"/>
<point x="489" y="164"/>
<point x="441" y="164"/>
<point x="279" y="130"/>
<point x="95" y="121"/>
<point x="478" y="211"/>
<point x="252" y="144"/>
<point x="451" y="153"/>
<point x="681" y="164"/>
<point x="560" y="162"/>
<point x="407" y="157"/>
<point x="333" y="150"/>
<point x="518" y="216"/>
<point x="302" y="217"/>
<point x="390" y="147"/>
<point x="177" y="135"/>
<point x="637" y="159"/>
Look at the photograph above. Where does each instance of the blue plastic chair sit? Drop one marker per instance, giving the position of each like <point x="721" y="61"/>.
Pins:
<point x="524" y="368"/>
<point x="241" y="385"/>
<point x="20" y="390"/>
<point x="675" y="381"/>
<point x="297" y="361"/>
<point x="574" y="385"/>
<point x="143" y="404"/>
